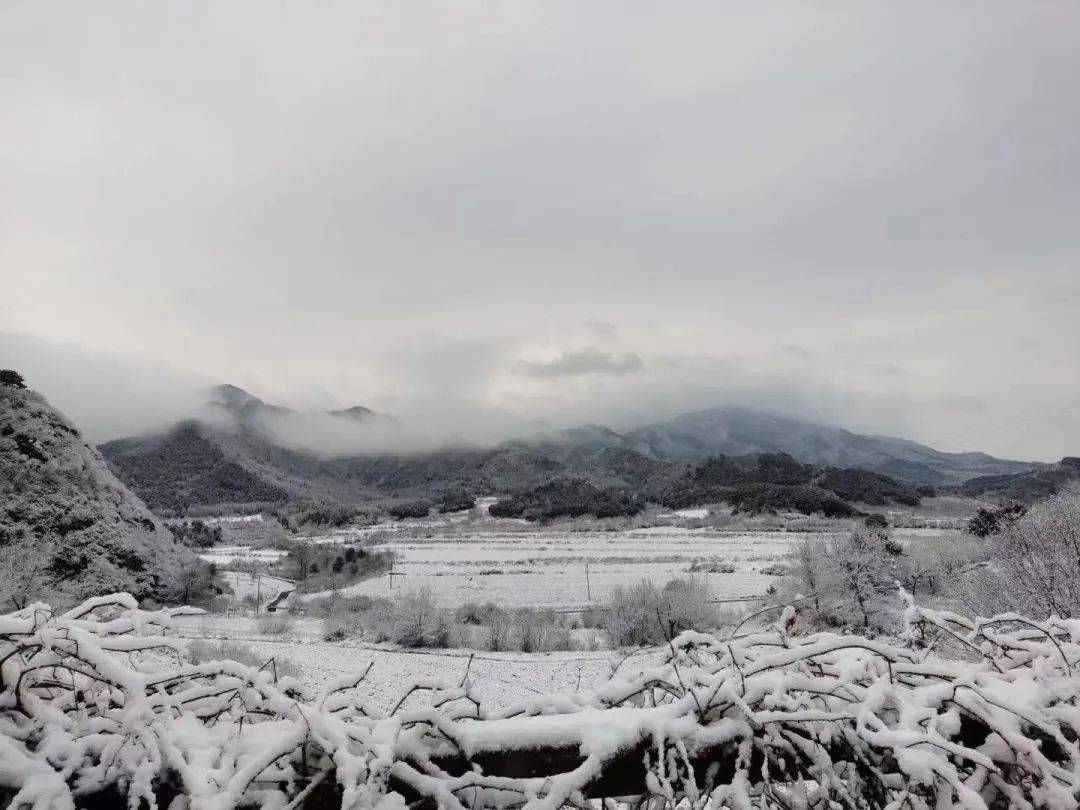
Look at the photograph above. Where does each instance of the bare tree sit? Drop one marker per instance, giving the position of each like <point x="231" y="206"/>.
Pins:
<point x="861" y="572"/>
<point x="300" y="553"/>
<point x="23" y="574"/>
<point x="1039" y="558"/>
<point x="808" y="558"/>
<point x="852" y="577"/>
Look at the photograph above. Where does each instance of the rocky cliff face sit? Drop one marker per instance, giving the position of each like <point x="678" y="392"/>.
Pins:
<point x="68" y="527"/>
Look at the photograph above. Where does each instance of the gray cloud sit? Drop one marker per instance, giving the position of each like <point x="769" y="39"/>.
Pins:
<point x="887" y="370"/>
<point x="390" y="204"/>
<point x="960" y="404"/>
<point x="582" y="362"/>
<point x="600" y="329"/>
<point x="106" y="394"/>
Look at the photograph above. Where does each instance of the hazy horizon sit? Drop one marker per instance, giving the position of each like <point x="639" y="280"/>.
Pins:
<point x="477" y="216"/>
<point x="133" y="401"/>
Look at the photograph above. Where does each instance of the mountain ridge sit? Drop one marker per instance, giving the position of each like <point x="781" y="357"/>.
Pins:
<point x="200" y="463"/>
<point x="729" y="430"/>
<point x="245" y="406"/>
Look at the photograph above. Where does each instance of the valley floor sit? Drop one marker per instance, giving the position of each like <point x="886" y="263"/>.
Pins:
<point x="514" y="566"/>
<point x="562" y="569"/>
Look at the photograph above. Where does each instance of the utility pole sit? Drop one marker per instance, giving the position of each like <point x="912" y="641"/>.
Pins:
<point x="391" y="574"/>
<point x="588" y="584"/>
<point x="258" y="592"/>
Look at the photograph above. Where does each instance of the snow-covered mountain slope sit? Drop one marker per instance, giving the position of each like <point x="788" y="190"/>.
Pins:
<point x="68" y="526"/>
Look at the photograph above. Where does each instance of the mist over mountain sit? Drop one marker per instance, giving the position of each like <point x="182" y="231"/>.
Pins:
<point x="344" y="431"/>
<point x="243" y="450"/>
<point x="739" y="431"/>
<point x="450" y="348"/>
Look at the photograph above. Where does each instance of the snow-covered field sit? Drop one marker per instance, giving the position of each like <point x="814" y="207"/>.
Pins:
<point x="224" y="555"/>
<point x="261" y="586"/>
<point x="547" y="568"/>
<point x="499" y="679"/>
<point x="513" y="567"/>
<point x="698" y="513"/>
<point x="233" y="519"/>
<point x="553" y="569"/>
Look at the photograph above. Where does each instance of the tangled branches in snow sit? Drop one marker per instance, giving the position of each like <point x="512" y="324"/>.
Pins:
<point x="765" y="719"/>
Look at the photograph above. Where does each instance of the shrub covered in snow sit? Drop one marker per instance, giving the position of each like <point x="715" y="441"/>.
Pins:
<point x="455" y="499"/>
<point x="98" y="708"/>
<point x="533" y="632"/>
<point x="852" y="578"/>
<point x="200" y="651"/>
<point x="414" y="620"/>
<point x="1038" y="555"/>
<point x="646" y="614"/>
<point x="410" y="509"/>
<point x="274" y="624"/>
<point x="711" y="566"/>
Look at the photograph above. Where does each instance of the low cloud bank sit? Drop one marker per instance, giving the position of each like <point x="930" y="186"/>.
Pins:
<point x="107" y="395"/>
<point x="468" y="399"/>
<point x="583" y="362"/>
<point x="419" y="429"/>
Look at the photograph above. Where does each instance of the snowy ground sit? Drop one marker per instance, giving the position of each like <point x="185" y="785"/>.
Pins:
<point x="262" y="586"/>
<point x="525" y="566"/>
<point x="687" y="513"/>
<point x="233" y="519"/>
<point x="499" y="679"/>
<point x="224" y="555"/>
<point x="548" y="568"/>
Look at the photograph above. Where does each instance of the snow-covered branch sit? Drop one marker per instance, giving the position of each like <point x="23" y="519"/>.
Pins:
<point x="765" y="719"/>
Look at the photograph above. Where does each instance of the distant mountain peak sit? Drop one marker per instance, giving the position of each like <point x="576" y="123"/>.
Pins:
<point x="736" y="431"/>
<point x="358" y="412"/>
<point x="233" y="392"/>
<point x="364" y="415"/>
<point x="233" y="397"/>
<point x="241" y="403"/>
<point x="243" y="406"/>
<point x="587" y="435"/>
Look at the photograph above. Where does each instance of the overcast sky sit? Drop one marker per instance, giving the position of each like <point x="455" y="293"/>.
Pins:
<point x="864" y="213"/>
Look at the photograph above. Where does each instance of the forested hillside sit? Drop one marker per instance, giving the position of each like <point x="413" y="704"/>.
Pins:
<point x="776" y="481"/>
<point x="741" y="431"/>
<point x="185" y="467"/>
<point x="1026" y="487"/>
